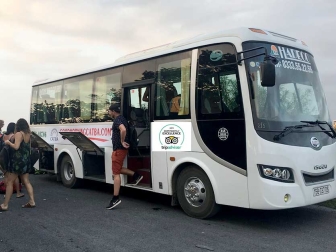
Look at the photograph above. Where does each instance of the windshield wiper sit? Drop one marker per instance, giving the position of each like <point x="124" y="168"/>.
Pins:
<point x="318" y="123"/>
<point x="288" y="130"/>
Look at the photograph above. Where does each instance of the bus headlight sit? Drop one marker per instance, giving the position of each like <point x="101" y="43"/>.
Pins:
<point x="282" y="174"/>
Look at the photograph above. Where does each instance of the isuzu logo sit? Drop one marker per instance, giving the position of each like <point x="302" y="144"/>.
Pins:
<point x="320" y="167"/>
<point x="315" y="142"/>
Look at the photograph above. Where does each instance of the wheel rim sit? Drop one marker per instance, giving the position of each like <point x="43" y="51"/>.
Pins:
<point x="194" y="191"/>
<point x="68" y="171"/>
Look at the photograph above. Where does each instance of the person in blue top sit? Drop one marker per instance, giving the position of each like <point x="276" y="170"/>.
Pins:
<point x="120" y="142"/>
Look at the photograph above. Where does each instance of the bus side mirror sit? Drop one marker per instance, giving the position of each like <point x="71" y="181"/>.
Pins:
<point x="268" y="72"/>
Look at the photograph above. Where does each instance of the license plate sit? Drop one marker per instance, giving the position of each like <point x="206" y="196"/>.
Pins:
<point x="321" y="190"/>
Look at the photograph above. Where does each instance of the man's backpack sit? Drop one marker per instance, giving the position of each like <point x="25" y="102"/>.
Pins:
<point x="133" y="136"/>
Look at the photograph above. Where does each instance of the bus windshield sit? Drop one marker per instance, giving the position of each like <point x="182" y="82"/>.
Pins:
<point x="297" y="95"/>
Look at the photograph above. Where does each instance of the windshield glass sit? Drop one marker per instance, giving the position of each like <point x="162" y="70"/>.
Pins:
<point x="297" y="94"/>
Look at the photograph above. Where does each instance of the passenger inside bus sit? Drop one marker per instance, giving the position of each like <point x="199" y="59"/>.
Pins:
<point x="146" y="95"/>
<point x="175" y="105"/>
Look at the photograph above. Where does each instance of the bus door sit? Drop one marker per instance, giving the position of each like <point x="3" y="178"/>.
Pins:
<point x="46" y="153"/>
<point x="136" y="109"/>
<point x="92" y="156"/>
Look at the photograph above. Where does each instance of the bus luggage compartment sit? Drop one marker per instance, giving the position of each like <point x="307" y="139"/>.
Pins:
<point x="92" y="155"/>
<point x="46" y="153"/>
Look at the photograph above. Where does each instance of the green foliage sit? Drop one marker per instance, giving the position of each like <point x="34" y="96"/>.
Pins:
<point x="229" y="91"/>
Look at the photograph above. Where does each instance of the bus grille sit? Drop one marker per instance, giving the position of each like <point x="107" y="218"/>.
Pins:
<point x="318" y="178"/>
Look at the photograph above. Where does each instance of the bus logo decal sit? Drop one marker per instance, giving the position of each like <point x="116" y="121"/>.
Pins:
<point x="171" y="140"/>
<point x="274" y="51"/>
<point x="320" y="167"/>
<point x="223" y="134"/>
<point x="315" y="142"/>
<point x="216" y="55"/>
<point x="171" y="137"/>
<point x="54" y="135"/>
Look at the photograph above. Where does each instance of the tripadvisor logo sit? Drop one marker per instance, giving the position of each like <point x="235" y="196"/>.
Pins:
<point x="171" y="137"/>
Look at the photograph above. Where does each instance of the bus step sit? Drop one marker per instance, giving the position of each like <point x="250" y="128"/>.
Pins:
<point x="100" y="178"/>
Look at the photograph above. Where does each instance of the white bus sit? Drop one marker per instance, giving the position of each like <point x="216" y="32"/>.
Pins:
<point x="234" y="118"/>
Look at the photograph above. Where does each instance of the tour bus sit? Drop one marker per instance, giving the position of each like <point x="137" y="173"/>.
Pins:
<point x="236" y="118"/>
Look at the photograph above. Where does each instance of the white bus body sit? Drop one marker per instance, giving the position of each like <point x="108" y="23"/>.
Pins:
<point x="230" y="123"/>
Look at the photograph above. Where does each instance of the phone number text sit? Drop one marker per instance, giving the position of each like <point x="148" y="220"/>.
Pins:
<point x="295" y="66"/>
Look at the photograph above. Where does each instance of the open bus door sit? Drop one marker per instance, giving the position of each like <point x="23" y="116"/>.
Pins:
<point x="92" y="156"/>
<point x="136" y="110"/>
<point x="46" y="154"/>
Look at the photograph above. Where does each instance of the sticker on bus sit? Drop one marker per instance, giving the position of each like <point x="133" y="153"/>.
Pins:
<point x="171" y="136"/>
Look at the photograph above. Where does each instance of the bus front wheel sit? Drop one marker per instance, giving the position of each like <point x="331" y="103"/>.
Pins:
<point x="195" y="194"/>
<point x="68" y="173"/>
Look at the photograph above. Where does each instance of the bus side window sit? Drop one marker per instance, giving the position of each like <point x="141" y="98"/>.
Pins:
<point x="172" y="89"/>
<point x="107" y="90"/>
<point x="219" y="94"/>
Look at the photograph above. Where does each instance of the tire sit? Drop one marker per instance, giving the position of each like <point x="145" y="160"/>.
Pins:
<point x="68" y="173"/>
<point x="198" y="201"/>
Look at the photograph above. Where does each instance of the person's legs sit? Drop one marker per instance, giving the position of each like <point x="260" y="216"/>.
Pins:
<point x="136" y="176"/>
<point x="116" y="185"/>
<point x="17" y="187"/>
<point x="29" y="187"/>
<point x="10" y="178"/>
<point x="117" y="162"/>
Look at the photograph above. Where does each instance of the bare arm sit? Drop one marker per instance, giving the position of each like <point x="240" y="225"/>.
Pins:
<point x="123" y="135"/>
<point x="145" y="95"/>
<point x="122" y="132"/>
<point x="18" y="140"/>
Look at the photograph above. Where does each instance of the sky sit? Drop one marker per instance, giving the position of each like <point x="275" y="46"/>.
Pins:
<point x="46" y="39"/>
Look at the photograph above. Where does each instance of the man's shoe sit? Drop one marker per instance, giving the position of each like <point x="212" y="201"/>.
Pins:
<point x="113" y="203"/>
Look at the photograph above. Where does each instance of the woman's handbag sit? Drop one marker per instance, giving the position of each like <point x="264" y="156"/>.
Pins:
<point x="5" y="156"/>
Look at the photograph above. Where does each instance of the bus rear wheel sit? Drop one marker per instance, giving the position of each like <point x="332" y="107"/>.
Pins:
<point x="68" y="173"/>
<point x="195" y="194"/>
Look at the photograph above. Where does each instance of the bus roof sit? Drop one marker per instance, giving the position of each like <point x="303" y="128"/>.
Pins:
<point x="243" y="33"/>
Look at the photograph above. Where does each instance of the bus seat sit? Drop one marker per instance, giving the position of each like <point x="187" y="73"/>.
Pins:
<point x="211" y="102"/>
<point x="138" y="115"/>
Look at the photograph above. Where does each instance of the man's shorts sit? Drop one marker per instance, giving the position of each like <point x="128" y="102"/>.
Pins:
<point x="118" y="157"/>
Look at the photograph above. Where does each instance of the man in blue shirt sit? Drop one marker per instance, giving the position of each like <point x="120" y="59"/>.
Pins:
<point x="120" y="142"/>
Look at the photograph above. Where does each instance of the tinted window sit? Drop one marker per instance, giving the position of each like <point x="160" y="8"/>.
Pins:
<point x="172" y="91"/>
<point x="218" y="89"/>
<point x="33" y="106"/>
<point x="77" y="99"/>
<point x="107" y="91"/>
<point x="48" y="102"/>
<point x="139" y="71"/>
